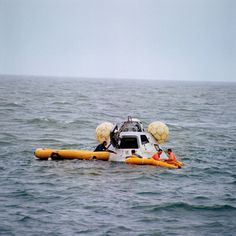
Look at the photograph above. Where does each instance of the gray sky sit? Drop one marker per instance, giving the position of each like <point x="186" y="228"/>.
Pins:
<point x="152" y="39"/>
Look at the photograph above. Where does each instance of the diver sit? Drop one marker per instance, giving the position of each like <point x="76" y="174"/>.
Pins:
<point x="102" y="148"/>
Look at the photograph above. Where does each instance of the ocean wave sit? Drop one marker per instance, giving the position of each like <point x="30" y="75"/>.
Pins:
<point x="42" y="120"/>
<point x="119" y="228"/>
<point x="61" y="103"/>
<point x="6" y="143"/>
<point x="60" y="123"/>
<point x="185" y="206"/>
<point x="201" y="197"/>
<point x="48" y="140"/>
<point x="11" y="105"/>
<point x="25" y="219"/>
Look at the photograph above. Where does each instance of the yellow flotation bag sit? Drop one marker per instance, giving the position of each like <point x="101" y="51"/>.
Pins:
<point x="149" y="161"/>
<point x="46" y="153"/>
<point x="56" y="154"/>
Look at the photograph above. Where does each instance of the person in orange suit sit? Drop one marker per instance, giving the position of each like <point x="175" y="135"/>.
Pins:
<point x="171" y="155"/>
<point x="157" y="156"/>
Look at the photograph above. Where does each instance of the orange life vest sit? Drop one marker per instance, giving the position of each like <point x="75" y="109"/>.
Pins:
<point x="156" y="156"/>
<point x="172" y="157"/>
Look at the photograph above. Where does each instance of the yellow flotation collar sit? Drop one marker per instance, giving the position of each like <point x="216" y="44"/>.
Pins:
<point x="149" y="161"/>
<point x="45" y="153"/>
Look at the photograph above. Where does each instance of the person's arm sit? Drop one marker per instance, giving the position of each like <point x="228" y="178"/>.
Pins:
<point x="111" y="151"/>
<point x="138" y="156"/>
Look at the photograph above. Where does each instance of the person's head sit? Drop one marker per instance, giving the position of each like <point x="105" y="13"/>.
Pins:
<point x="133" y="151"/>
<point x="169" y="150"/>
<point x="104" y="143"/>
<point x="160" y="150"/>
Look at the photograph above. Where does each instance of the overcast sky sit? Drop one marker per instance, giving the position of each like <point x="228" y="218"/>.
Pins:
<point x="149" y="39"/>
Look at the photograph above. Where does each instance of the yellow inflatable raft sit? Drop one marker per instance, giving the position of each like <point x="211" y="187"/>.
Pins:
<point x="55" y="154"/>
<point x="45" y="154"/>
<point x="149" y="161"/>
<point x="179" y="164"/>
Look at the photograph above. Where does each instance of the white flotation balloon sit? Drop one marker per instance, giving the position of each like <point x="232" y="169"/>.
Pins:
<point x="159" y="131"/>
<point x="103" y="131"/>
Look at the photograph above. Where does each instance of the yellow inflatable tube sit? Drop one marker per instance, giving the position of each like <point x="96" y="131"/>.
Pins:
<point x="149" y="161"/>
<point x="45" y="153"/>
<point x="56" y="154"/>
<point x="179" y="164"/>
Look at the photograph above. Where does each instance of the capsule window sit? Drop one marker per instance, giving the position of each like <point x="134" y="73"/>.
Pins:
<point x="129" y="143"/>
<point x="144" y="139"/>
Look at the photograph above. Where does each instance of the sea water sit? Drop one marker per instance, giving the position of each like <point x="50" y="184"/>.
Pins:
<point x="76" y="197"/>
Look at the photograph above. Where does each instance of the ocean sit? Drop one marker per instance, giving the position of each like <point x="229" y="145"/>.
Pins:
<point x="76" y="197"/>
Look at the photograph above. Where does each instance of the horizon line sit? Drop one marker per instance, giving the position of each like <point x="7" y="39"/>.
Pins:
<point x="113" y="78"/>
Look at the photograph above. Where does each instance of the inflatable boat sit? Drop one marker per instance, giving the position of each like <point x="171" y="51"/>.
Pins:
<point x="54" y="154"/>
<point x="124" y="139"/>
